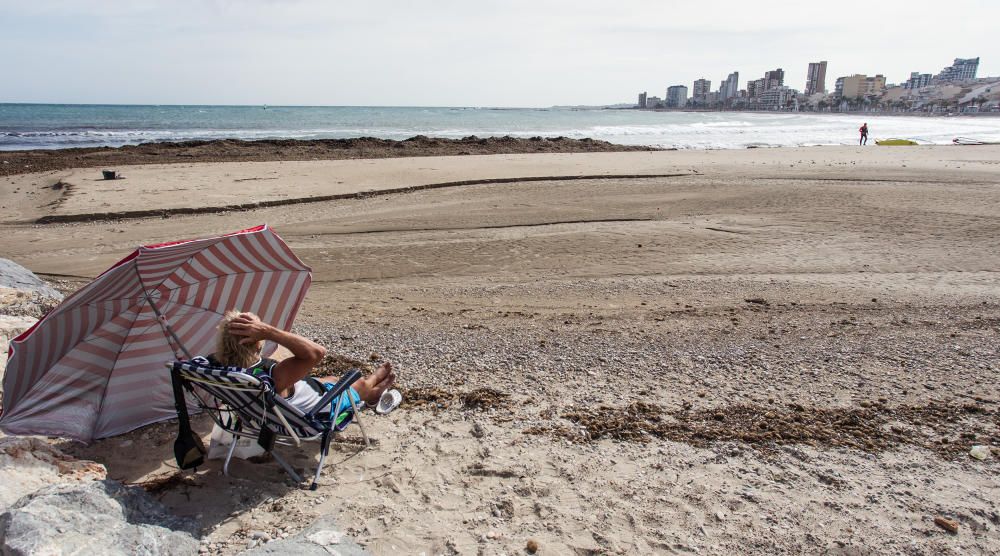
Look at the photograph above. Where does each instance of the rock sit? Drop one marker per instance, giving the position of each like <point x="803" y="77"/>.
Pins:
<point x="980" y="452"/>
<point x="532" y="546"/>
<point x="949" y="525"/>
<point x="98" y="517"/>
<point x="322" y="538"/>
<point x="15" y="277"/>
<point x="262" y="536"/>
<point x="389" y="483"/>
<point x="29" y="463"/>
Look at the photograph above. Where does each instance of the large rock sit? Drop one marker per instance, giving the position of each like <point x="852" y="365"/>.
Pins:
<point x="15" y="277"/>
<point x="29" y="463"/>
<point x="100" y="517"/>
<point x="322" y="538"/>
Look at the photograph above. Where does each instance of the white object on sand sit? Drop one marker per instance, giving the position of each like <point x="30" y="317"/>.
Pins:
<point x="980" y="452"/>
<point x="390" y="400"/>
<point x="218" y="447"/>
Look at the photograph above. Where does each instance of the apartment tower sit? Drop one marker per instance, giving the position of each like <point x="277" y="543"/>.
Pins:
<point x="816" y="78"/>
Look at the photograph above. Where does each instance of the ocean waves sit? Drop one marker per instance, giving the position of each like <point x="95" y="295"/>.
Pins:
<point x="67" y="126"/>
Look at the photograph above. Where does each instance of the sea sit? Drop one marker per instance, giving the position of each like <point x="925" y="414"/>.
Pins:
<point x="57" y="126"/>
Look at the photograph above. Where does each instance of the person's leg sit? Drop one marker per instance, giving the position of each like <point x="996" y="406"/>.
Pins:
<point x="371" y="387"/>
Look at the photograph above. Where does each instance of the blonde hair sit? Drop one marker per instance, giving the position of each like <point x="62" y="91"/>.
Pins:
<point x="228" y="349"/>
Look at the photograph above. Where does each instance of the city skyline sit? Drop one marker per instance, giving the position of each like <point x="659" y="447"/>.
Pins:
<point x="855" y="85"/>
<point x="518" y="53"/>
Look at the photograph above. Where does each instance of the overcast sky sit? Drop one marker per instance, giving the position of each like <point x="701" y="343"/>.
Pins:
<point x="462" y="53"/>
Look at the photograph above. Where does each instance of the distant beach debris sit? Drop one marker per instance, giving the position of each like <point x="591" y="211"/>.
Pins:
<point x="896" y="142"/>
<point x="970" y="141"/>
<point x="111" y="175"/>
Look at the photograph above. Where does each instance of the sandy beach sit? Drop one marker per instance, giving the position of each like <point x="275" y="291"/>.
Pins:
<point x="775" y="351"/>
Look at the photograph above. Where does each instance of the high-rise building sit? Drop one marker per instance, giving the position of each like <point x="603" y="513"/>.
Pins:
<point x="776" y="98"/>
<point x="642" y="99"/>
<point x="701" y="88"/>
<point x="859" y="85"/>
<point x="960" y="70"/>
<point x="918" y="80"/>
<point x="730" y="87"/>
<point x="756" y="87"/>
<point x="677" y="96"/>
<point x="774" y="78"/>
<point x="816" y="78"/>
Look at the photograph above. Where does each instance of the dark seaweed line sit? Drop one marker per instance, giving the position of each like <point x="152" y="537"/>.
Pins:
<point x="134" y="214"/>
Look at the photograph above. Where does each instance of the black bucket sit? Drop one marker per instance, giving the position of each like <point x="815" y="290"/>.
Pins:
<point x="110" y="174"/>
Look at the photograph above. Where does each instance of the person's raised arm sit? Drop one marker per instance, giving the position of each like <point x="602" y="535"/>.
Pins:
<point x="306" y="353"/>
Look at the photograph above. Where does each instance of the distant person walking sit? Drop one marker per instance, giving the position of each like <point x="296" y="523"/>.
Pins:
<point x="864" y="134"/>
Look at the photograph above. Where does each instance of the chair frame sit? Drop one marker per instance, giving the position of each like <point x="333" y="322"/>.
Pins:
<point x="252" y="405"/>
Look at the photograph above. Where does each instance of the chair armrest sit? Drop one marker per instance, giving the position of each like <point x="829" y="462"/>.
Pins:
<point x="342" y="385"/>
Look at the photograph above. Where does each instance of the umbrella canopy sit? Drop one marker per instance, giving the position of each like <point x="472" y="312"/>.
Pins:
<point x="93" y="367"/>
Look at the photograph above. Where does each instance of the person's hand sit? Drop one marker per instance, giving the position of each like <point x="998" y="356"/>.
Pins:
<point x="250" y="328"/>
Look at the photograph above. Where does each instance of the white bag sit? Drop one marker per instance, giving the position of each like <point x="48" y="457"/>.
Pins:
<point x="246" y="447"/>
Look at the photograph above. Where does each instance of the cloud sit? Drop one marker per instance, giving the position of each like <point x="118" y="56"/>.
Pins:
<point x="488" y="52"/>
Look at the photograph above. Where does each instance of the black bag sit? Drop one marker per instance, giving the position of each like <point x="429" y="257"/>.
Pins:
<point x="189" y="450"/>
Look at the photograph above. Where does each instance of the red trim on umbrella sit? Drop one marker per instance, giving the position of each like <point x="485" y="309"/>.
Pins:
<point x="24" y="335"/>
<point x="253" y="230"/>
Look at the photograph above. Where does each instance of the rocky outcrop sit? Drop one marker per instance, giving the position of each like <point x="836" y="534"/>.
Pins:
<point x="22" y="293"/>
<point x="99" y="517"/>
<point x="30" y="463"/>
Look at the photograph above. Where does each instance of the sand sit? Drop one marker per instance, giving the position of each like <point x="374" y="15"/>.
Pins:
<point x="727" y="352"/>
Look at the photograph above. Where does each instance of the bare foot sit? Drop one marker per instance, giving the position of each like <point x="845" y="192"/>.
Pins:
<point x="374" y="385"/>
<point x="379" y="388"/>
<point x="381" y="372"/>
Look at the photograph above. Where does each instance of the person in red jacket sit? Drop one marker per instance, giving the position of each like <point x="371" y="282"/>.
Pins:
<point x="864" y="134"/>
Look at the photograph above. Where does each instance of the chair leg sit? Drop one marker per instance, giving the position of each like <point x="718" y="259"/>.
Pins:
<point x="324" y="449"/>
<point x="357" y="419"/>
<point x="288" y="468"/>
<point x="229" y="456"/>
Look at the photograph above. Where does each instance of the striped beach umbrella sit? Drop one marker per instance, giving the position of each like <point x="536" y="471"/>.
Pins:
<point x="93" y="367"/>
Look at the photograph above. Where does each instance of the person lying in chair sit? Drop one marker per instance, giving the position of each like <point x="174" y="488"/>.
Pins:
<point x="239" y="343"/>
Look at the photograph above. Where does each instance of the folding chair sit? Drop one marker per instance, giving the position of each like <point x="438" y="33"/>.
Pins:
<point x="248" y="406"/>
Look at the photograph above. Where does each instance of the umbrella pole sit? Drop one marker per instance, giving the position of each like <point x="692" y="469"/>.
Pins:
<point x="166" y="327"/>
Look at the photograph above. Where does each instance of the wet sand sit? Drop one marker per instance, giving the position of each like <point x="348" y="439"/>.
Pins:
<point x="781" y="350"/>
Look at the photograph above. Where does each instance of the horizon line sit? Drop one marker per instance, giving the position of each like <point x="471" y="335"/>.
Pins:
<point x="488" y="107"/>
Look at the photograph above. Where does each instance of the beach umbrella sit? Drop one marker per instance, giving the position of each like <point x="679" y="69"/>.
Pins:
<point x="93" y="366"/>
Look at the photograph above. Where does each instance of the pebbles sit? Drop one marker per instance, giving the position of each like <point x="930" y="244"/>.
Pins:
<point x="260" y="536"/>
<point x="785" y="411"/>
